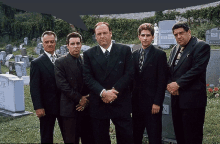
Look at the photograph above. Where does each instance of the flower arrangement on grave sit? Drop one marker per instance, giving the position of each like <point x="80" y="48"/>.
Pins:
<point x="212" y="92"/>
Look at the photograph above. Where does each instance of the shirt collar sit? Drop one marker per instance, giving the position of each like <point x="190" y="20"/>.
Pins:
<point x="109" y="48"/>
<point x="145" y="50"/>
<point x="49" y="55"/>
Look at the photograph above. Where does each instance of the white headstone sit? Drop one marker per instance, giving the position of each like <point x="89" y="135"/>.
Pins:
<point x="26" y="80"/>
<point x="20" y="69"/>
<point x="156" y="34"/>
<point x="85" y="47"/>
<point x="25" y="59"/>
<point x="18" y="58"/>
<point x="63" y="50"/>
<point x="3" y="57"/>
<point x="25" y="40"/>
<point x="11" y="93"/>
<point x="9" y="56"/>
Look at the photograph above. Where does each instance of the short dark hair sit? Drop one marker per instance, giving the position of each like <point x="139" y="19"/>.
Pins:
<point x="73" y="34"/>
<point x="181" y="24"/>
<point x="48" y="33"/>
<point x="146" y="26"/>
<point x="100" y="23"/>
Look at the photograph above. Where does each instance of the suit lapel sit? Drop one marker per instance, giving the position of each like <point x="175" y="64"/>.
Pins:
<point x="173" y="55"/>
<point x="48" y="64"/>
<point x="100" y="58"/>
<point x="186" y="52"/>
<point x="113" y="57"/>
<point x="150" y="55"/>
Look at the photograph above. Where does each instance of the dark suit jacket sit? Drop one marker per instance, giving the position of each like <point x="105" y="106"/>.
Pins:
<point x="150" y="84"/>
<point x="190" y="73"/>
<point x="100" y="74"/>
<point x="43" y="89"/>
<point x="70" y="81"/>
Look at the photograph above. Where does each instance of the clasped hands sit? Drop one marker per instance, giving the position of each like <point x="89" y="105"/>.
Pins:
<point x="173" y="88"/>
<point x="109" y="96"/>
<point x="82" y="103"/>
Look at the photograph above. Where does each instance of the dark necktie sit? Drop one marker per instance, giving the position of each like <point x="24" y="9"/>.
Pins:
<point x="53" y="58"/>
<point x="141" y="60"/>
<point x="79" y="64"/>
<point x="179" y="56"/>
<point x="107" y="54"/>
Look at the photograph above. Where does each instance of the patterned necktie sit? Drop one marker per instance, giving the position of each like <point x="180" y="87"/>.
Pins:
<point x="53" y="58"/>
<point x="107" y="54"/>
<point x="179" y="55"/>
<point x="141" y="60"/>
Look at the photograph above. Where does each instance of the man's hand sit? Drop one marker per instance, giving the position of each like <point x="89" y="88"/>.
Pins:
<point x="155" y="109"/>
<point x="40" y="112"/>
<point x="173" y="88"/>
<point x="109" y="96"/>
<point x="83" y="103"/>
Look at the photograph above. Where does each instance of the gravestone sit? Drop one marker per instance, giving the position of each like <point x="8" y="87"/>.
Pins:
<point x="136" y="47"/>
<point x="166" y="37"/>
<point x="39" y="48"/>
<point x="156" y="34"/>
<point x="12" y="68"/>
<point x="26" y="41"/>
<point x="20" y="69"/>
<point x="18" y="58"/>
<point x="9" y="56"/>
<point x="23" y="52"/>
<point x="85" y="48"/>
<point x="2" y="57"/>
<point x="12" y="95"/>
<point x="63" y="50"/>
<point x="213" y="36"/>
<point x="26" y="80"/>
<point x="9" y="49"/>
<point x="0" y="69"/>
<point x="31" y="58"/>
<point x="21" y="45"/>
<point x="57" y="51"/>
<point x="38" y="40"/>
<point x="25" y="59"/>
<point x="213" y="68"/>
<point x="7" y="63"/>
<point x="15" y="49"/>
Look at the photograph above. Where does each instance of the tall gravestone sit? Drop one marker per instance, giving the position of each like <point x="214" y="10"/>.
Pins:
<point x="25" y="59"/>
<point x="39" y="48"/>
<point x="213" y="68"/>
<point x="38" y="40"/>
<point x="12" y="95"/>
<point x="9" y="49"/>
<point x="26" y="41"/>
<point x="20" y="69"/>
<point x="0" y="69"/>
<point x="156" y="34"/>
<point x="213" y="36"/>
<point x="18" y="58"/>
<point x="166" y="37"/>
<point x="2" y="57"/>
<point x="9" y="56"/>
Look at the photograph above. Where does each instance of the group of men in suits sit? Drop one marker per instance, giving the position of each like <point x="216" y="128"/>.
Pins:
<point x="111" y="82"/>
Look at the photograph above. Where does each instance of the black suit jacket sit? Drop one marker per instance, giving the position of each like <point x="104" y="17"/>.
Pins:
<point x="43" y="89"/>
<point x="70" y="81"/>
<point x="190" y="73"/>
<point x="150" y="84"/>
<point x="100" y="74"/>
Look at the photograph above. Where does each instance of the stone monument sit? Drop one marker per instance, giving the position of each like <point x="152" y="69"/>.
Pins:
<point x="156" y="34"/>
<point x="26" y="41"/>
<point x="2" y="57"/>
<point x="20" y="69"/>
<point x="213" y="36"/>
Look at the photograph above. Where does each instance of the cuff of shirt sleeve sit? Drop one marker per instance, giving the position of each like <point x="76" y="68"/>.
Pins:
<point x="102" y="92"/>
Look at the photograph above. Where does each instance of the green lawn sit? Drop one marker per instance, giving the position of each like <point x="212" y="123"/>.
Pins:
<point x="26" y="129"/>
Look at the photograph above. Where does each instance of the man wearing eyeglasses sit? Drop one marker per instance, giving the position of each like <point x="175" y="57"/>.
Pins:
<point x="150" y="77"/>
<point x="44" y="92"/>
<point x="187" y="84"/>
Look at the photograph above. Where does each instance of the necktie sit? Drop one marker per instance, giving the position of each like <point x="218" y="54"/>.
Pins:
<point x="179" y="55"/>
<point x="53" y="58"/>
<point x="141" y="61"/>
<point x="107" y="54"/>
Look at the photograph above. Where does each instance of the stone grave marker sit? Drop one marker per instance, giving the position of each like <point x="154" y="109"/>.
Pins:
<point x="39" y="48"/>
<point x="20" y="69"/>
<point x="166" y="37"/>
<point x="85" y="47"/>
<point x="23" y="52"/>
<point x="0" y="69"/>
<point x="12" y="68"/>
<point x="63" y="50"/>
<point x="9" y="49"/>
<point x="26" y="41"/>
<point x="2" y="57"/>
<point x="57" y="51"/>
<point x="213" y="36"/>
<point x="18" y="58"/>
<point x="21" y="45"/>
<point x="213" y="68"/>
<point x="9" y="56"/>
<point x="26" y="80"/>
<point x="25" y="59"/>
<point x="15" y="49"/>
<point x="12" y="95"/>
<point x="38" y="40"/>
